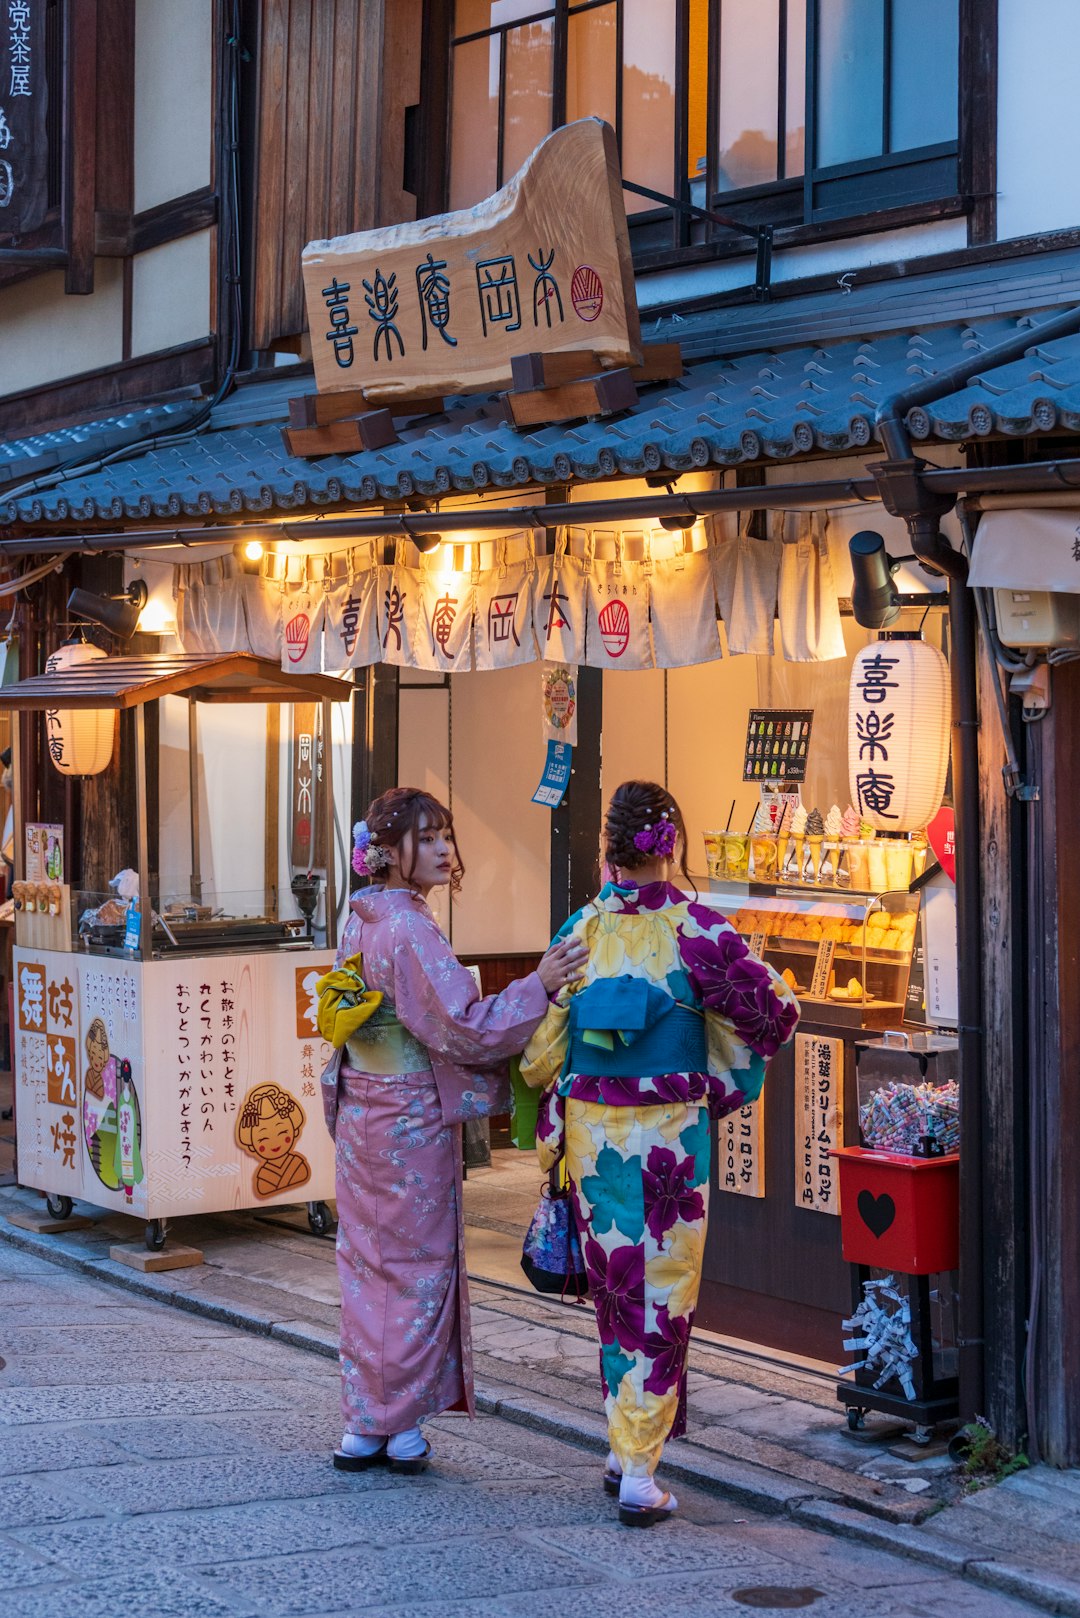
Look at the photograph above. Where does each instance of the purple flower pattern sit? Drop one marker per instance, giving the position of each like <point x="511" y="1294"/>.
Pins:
<point x="670" y="1197"/>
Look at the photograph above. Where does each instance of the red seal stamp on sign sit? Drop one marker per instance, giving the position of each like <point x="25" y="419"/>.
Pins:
<point x="297" y="631"/>
<point x="586" y="292"/>
<point x="614" y="621"/>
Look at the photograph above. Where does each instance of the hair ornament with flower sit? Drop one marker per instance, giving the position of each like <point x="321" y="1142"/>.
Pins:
<point x="368" y="858"/>
<point x="659" y="839"/>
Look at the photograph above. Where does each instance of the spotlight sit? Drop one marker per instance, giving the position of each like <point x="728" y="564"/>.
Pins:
<point x="119" y="614"/>
<point x="253" y="550"/>
<point x="424" y="542"/>
<point x="875" y="600"/>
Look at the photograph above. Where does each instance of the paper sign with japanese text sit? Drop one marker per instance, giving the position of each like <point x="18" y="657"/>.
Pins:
<point x="819" y="1120"/>
<point x="445" y="304"/>
<point x="161" y="1088"/>
<point x="556" y="777"/>
<point x="741" y="1151"/>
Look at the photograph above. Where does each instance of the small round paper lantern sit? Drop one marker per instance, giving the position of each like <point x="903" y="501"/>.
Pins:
<point x="899" y="714"/>
<point x="80" y="741"/>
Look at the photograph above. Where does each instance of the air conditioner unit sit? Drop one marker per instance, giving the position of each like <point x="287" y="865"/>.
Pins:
<point x="1035" y="619"/>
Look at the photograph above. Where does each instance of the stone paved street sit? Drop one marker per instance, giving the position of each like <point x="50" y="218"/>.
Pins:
<point x="157" y="1463"/>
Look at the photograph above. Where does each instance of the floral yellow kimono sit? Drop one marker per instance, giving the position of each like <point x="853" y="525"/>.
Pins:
<point x="633" y="1106"/>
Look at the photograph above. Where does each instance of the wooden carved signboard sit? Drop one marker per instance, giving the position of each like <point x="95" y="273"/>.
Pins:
<point x="443" y="305"/>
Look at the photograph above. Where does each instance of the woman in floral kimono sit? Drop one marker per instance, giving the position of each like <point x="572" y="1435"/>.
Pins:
<point x="429" y="1055"/>
<point x="668" y="1028"/>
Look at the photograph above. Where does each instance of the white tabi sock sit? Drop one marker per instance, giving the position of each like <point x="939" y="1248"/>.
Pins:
<point x="406" y="1446"/>
<point x="356" y="1445"/>
<point x="645" y="1492"/>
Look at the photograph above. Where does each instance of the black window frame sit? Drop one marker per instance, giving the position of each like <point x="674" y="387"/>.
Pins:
<point x="879" y="192"/>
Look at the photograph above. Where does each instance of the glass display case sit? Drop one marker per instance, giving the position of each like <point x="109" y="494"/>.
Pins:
<point x="846" y="955"/>
<point x="215" y="923"/>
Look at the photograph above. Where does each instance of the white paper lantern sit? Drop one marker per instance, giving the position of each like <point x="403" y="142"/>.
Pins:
<point x="899" y="720"/>
<point x="80" y="741"/>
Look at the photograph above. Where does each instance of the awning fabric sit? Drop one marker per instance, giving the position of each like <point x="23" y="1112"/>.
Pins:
<point x="1027" y="550"/>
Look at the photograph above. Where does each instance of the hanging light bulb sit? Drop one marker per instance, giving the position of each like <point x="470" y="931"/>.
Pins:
<point x="79" y="741"/>
<point x="254" y="549"/>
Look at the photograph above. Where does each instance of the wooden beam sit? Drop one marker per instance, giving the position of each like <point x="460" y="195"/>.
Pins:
<point x="660" y="362"/>
<point x="320" y="409"/>
<point x="95" y="393"/>
<point x="600" y="395"/>
<point x="374" y="430"/>
<point x="80" y="144"/>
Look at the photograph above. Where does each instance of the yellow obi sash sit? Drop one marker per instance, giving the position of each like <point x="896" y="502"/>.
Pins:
<point x="384" y="1046"/>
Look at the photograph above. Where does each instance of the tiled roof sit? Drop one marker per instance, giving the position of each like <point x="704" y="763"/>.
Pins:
<point x="772" y="403"/>
<point x="39" y="452"/>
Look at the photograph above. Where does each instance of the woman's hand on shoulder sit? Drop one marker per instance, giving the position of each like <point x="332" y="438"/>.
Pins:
<point x="563" y="962"/>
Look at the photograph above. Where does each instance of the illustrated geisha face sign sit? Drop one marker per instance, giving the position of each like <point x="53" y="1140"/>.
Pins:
<point x="167" y="1088"/>
<point x="446" y="303"/>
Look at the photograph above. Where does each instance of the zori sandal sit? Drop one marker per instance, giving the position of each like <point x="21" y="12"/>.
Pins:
<point x="360" y="1463"/>
<point x="647" y="1516"/>
<point x="409" y="1464"/>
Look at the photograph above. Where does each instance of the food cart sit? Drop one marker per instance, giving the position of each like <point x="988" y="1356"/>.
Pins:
<point x="170" y="1069"/>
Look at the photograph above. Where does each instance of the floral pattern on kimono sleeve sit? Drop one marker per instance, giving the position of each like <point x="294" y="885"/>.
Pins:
<point x="437" y="999"/>
<point x="546" y="1051"/>
<point x="731" y="981"/>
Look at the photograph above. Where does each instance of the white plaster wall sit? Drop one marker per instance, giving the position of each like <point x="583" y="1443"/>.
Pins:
<point x="173" y="98"/>
<point x="497" y="759"/>
<point x="708" y="708"/>
<point x="424" y="756"/>
<point x="170" y="294"/>
<point x="1038" y="133"/>
<point x="45" y="335"/>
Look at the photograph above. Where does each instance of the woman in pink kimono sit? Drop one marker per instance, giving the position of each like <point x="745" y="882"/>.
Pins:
<point x="433" y="1054"/>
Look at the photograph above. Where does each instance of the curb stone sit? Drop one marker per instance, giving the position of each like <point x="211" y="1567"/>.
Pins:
<point x="767" y="1492"/>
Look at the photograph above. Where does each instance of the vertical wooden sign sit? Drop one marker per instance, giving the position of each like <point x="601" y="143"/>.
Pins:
<point x="307" y="850"/>
<point x="819" y="984"/>
<point x="819" y="1120"/>
<point x="24" y="148"/>
<point x="741" y="1151"/>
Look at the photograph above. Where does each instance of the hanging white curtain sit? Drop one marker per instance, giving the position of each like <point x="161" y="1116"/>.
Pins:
<point x="617" y="630"/>
<point x="350" y="627"/>
<point x="810" y="628"/>
<point x="505" y="602"/>
<point x="222" y="607"/>
<point x="443" y="634"/>
<point x="682" y="603"/>
<point x="398" y="605"/>
<point x="559" y="609"/>
<point x="303" y="607"/>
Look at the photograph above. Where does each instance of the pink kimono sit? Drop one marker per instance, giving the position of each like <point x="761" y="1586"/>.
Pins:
<point x="405" y="1343"/>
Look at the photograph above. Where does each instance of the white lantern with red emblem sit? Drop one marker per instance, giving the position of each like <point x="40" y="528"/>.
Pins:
<point x="79" y="741"/>
<point x="899" y="721"/>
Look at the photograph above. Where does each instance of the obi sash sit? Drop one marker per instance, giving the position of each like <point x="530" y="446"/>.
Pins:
<point x="384" y="1046"/>
<point x="629" y="1028"/>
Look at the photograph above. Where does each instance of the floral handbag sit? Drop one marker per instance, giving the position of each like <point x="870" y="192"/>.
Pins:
<point x="551" y="1256"/>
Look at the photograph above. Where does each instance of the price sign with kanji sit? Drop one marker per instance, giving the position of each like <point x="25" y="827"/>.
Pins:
<point x="445" y="304"/>
<point x="741" y="1151"/>
<point x="819" y="1120"/>
<point x="777" y="745"/>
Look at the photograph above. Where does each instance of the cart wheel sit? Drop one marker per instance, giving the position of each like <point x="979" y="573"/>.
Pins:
<point x="59" y="1207"/>
<point x="922" y="1435"/>
<point x="319" y="1218"/>
<point x="856" y="1419"/>
<point x="155" y="1235"/>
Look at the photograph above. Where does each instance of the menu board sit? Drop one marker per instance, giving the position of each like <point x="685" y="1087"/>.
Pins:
<point x="819" y="1120"/>
<point x="741" y="1151"/>
<point x="777" y="744"/>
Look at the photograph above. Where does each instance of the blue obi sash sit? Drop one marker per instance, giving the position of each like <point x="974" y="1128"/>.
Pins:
<point x="628" y="1028"/>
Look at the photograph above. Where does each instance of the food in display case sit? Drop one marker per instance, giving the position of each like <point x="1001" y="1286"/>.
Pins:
<point x="807" y="848"/>
<point x="849" y="954"/>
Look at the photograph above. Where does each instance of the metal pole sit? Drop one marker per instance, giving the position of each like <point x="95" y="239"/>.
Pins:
<point x="146" y="921"/>
<point x="193" y="796"/>
<point x="328" y="822"/>
<point x="17" y="797"/>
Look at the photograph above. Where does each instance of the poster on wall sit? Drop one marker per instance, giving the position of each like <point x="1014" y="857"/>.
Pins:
<point x="819" y="1120"/>
<point x="777" y="745"/>
<point x="44" y="852"/>
<point x="741" y="1151"/>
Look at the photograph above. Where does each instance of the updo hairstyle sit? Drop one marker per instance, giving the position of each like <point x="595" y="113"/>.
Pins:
<point x="407" y="809"/>
<point x="634" y="806"/>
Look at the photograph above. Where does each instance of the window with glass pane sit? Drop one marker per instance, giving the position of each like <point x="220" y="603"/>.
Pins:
<point x="885" y="76"/>
<point x="761" y="92"/>
<point x="501" y="101"/>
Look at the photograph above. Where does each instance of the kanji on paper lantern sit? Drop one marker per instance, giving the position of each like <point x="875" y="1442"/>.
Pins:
<point x="80" y="741"/>
<point x="899" y="720"/>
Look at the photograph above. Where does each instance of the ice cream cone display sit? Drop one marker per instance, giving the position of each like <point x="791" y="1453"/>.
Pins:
<point x="849" y="844"/>
<point x="830" y="862"/>
<point x="783" y="838"/>
<point x="815" y="837"/>
<point x="798" y="832"/>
